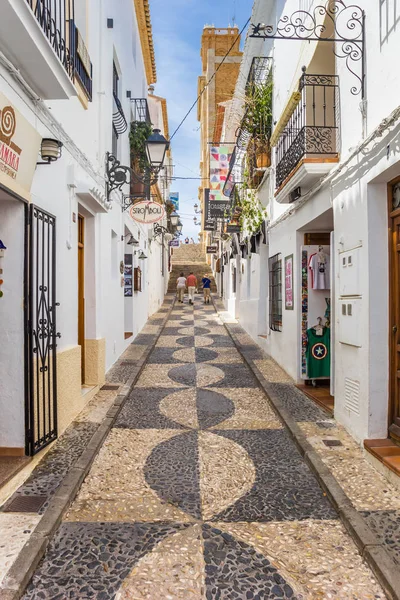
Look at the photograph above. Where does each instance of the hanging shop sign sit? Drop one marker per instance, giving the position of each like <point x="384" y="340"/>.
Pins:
<point x="211" y="249"/>
<point x="174" y="243"/>
<point x="174" y="199"/>
<point x="19" y="149"/>
<point x="289" y="282"/>
<point x="147" y="212"/>
<point x="214" y="209"/>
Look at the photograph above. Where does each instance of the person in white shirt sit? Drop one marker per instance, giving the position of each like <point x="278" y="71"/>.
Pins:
<point x="180" y="287"/>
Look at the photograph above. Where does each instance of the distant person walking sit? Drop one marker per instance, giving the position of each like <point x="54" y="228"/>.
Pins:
<point x="186" y="240"/>
<point x="191" y="240"/>
<point x="192" y="285"/>
<point x="180" y="287"/>
<point x="206" y="288"/>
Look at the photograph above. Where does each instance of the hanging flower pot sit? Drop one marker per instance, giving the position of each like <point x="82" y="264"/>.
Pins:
<point x="263" y="156"/>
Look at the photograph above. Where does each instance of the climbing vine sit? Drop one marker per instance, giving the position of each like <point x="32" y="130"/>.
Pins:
<point x="253" y="214"/>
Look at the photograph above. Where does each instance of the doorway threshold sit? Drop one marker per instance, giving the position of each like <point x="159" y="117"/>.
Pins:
<point x="10" y="466"/>
<point x="320" y="395"/>
<point x="85" y="389"/>
<point x="386" y="451"/>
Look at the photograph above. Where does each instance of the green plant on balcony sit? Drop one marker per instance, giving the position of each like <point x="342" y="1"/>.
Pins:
<point x="257" y="120"/>
<point x="140" y="131"/>
<point x="252" y="212"/>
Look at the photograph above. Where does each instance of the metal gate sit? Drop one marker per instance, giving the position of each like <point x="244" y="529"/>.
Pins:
<point x="41" y="409"/>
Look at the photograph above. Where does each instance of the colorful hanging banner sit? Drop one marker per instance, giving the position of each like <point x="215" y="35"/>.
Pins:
<point x="219" y="168"/>
<point x="174" y="199"/>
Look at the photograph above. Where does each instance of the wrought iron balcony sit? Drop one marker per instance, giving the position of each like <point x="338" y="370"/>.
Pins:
<point x="312" y="133"/>
<point x="54" y="18"/>
<point x="141" y="110"/>
<point x="83" y="68"/>
<point x="259" y="71"/>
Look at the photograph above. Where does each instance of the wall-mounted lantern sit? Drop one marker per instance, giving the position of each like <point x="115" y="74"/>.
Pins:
<point x="50" y="151"/>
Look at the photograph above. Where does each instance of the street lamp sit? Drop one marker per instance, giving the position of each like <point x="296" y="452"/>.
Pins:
<point x="179" y="227"/>
<point x="118" y="175"/>
<point x="174" y="218"/>
<point x="156" y="148"/>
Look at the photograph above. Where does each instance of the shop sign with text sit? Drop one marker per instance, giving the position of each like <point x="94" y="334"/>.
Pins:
<point x="147" y="212"/>
<point x="211" y="249"/>
<point x="19" y="149"/>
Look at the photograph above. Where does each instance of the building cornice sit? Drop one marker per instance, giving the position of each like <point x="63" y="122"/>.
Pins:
<point x="142" y="9"/>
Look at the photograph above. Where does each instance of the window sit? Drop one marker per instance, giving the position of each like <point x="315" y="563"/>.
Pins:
<point x="275" y="292"/>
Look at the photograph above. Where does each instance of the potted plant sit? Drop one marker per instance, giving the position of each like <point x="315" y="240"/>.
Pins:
<point x="140" y="131"/>
<point x="257" y="120"/>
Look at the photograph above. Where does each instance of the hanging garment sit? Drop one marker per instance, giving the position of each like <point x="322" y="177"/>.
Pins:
<point x="319" y="266"/>
<point x="318" y="353"/>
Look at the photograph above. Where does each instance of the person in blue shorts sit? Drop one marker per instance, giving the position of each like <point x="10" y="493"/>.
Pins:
<point x="206" y="288"/>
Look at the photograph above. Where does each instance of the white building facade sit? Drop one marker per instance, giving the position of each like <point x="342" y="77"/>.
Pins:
<point x="79" y="276"/>
<point x="331" y="192"/>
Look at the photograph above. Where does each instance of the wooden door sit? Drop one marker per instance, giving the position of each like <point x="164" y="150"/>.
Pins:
<point x="394" y="330"/>
<point x="81" y="292"/>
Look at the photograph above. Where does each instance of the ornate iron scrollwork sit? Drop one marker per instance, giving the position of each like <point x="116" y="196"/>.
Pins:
<point x="117" y="175"/>
<point x="159" y="229"/>
<point x="347" y="32"/>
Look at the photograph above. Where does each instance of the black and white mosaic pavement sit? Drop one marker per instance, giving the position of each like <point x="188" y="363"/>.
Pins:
<point x="201" y="470"/>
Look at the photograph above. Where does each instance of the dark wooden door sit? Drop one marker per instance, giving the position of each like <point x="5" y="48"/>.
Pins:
<point x="81" y="292"/>
<point x="394" y="332"/>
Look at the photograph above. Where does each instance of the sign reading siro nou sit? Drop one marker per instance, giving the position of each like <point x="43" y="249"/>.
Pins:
<point x="147" y="212"/>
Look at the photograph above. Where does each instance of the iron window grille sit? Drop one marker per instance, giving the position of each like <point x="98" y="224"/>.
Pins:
<point x="313" y="128"/>
<point x="140" y="109"/>
<point x="275" y="292"/>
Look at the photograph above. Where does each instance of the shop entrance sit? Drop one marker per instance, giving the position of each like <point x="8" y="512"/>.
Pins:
<point x="316" y="336"/>
<point x="394" y="330"/>
<point x="41" y="410"/>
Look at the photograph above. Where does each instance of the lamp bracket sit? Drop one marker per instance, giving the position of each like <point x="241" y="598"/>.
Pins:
<point x="159" y="229"/>
<point x="346" y="31"/>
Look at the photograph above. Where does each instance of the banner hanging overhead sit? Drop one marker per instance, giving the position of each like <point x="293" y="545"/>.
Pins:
<point x="174" y="199"/>
<point x="219" y="168"/>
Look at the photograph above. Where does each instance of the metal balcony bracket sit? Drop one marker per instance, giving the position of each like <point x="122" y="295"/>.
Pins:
<point x="348" y="33"/>
<point x="159" y="230"/>
<point x="117" y="175"/>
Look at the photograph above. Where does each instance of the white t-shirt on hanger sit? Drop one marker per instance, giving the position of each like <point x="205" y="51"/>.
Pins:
<point x="321" y="273"/>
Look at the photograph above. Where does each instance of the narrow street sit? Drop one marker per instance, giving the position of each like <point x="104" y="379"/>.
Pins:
<point x="198" y="492"/>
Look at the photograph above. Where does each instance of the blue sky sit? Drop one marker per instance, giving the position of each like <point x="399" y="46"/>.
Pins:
<point x="177" y="28"/>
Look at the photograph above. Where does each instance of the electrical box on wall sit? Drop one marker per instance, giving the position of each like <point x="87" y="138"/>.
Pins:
<point x="349" y="321"/>
<point x="349" y="272"/>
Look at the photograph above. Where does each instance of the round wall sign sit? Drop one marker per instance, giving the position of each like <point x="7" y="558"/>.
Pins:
<point x="147" y="212"/>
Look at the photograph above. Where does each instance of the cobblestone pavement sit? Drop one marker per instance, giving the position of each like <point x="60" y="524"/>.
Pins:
<point x="199" y="493"/>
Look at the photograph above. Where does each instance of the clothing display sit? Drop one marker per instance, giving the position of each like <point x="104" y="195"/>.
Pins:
<point x="318" y="353"/>
<point x="319" y="265"/>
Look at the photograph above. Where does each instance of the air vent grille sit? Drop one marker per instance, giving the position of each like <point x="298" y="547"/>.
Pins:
<point x="352" y="395"/>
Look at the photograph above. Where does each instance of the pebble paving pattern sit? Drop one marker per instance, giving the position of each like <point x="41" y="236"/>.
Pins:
<point x="199" y="493"/>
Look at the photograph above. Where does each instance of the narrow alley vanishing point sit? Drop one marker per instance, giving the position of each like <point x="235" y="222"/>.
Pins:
<point x="198" y="491"/>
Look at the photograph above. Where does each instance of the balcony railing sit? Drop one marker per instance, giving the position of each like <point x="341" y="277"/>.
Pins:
<point x="57" y="20"/>
<point x="141" y="110"/>
<point x="259" y="71"/>
<point x="312" y="131"/>
<point x="83" y="66"/>
<point x="54" y="17"/>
